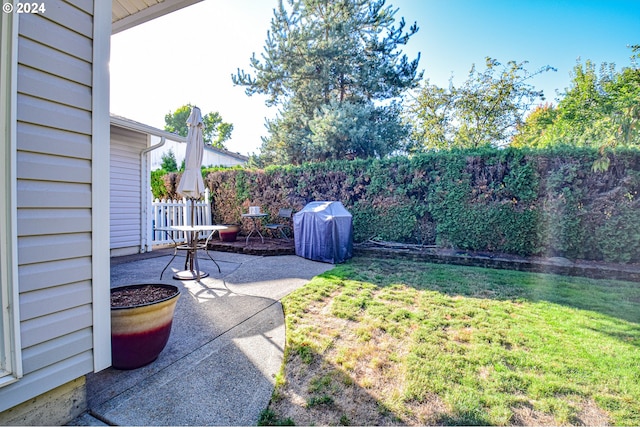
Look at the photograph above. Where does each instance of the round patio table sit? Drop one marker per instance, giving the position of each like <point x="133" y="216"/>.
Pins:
<point x="191" y="270"/>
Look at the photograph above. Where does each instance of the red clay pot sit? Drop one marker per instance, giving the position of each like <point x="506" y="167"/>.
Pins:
<point x="230" y="234"/>
<point x="139" y="333"/>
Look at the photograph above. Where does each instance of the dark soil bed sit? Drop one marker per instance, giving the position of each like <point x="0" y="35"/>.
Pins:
<point x="140" y="295"/>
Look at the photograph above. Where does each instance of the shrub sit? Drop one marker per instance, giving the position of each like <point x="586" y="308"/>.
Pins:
<point x="519" y="201"/>
<point x="158" y="188"/>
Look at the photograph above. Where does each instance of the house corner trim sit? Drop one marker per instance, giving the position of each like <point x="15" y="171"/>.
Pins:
<point x="100" y="186"/>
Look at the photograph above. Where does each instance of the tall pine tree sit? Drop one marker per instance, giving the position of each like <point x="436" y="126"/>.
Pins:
<point x="335" y="71"/>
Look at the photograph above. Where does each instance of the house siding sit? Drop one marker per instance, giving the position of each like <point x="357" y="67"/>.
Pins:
<point x="54" y="199"/>
<point x="125" y="179"/>
<point x="212" y="158"/>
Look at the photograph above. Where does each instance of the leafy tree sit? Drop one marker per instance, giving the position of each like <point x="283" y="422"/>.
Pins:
<point x="531" y="133"/>
<point x="601" y="108"/>
<point x="215" y="132"/>
<point x="430" y="114"/>
<point x="169" y="162"/>
<point x="624" y="106"/>
<point x="486" y="109"/>
<point x="329" y="65"/>
<point x="581" y="118"/>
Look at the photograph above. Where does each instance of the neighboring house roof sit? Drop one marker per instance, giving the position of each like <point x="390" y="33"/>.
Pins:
<point x="238" y="156"/>
<point x="227" y="153"/>
<point x="125" y="123"/>
<point x="129" y="13"/>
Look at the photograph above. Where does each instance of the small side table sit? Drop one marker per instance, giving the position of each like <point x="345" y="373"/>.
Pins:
<point x="256" y="228"/>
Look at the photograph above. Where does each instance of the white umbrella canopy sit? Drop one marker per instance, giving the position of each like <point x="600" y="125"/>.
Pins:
<point x="191" y="184"/>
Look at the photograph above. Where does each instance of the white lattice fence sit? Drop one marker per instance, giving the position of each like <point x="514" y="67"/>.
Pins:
<point x="167" y="213"/>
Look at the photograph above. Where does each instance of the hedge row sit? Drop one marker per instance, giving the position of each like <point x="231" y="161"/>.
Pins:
<point x="524" y="202"/>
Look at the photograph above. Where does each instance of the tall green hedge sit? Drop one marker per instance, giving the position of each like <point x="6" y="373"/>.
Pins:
<point x="525" y="202"/>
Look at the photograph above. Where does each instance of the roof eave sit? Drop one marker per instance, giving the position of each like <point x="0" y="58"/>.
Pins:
<point x="123" y="122"/>
<point x="149" y="13"/>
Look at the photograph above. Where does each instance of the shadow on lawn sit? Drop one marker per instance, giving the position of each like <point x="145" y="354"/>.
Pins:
<point x="614" y="298"/>
<point x="318" y="392"/>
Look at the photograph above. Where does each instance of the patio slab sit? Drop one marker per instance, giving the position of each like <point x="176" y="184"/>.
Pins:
<point x="226" y="344"/>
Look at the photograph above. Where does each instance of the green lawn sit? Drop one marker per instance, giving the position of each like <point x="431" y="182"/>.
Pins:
<point x="400" y="342"/>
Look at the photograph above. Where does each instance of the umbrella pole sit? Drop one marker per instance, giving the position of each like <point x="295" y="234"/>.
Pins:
<point x="193" y="236"/>
<point x="191" y="270"/>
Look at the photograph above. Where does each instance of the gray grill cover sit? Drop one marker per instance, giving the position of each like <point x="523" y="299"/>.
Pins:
<point x="324" y="232"/>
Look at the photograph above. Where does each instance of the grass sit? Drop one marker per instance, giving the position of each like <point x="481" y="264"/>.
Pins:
<point x="376" y="342"/>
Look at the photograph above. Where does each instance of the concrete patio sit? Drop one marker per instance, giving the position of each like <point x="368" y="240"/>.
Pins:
<point x="226" y="345"/>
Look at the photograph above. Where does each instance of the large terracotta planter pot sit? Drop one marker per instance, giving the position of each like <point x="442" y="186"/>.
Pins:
<point x="139" y="333"/>
<point x="230" y="234"/>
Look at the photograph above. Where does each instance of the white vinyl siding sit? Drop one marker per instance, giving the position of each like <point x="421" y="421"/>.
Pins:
<point x="38" y="357"/>
<point x="56" y="89"/>
<point x="53" y="194"/>
<point x="54" y="197"/>
<point x="38" y="303"/>
<point x="71" y="36"/>
<point x="10" y="354"/>
<point x="54" y="62"/>
<point x="125" y="192"/>
<point x="54" y="273"/>
<point x="212" y="157"/>
<point x="52" y="115"/>
<point x="56" y="142"/>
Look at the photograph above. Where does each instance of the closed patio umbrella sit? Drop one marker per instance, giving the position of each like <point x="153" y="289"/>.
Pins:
<point x="191" y="185"/>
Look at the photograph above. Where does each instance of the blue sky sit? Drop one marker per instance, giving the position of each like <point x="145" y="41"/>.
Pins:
<point x="189" y="55"/>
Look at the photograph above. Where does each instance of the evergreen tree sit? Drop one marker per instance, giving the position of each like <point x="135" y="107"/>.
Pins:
<point x="328" y="65"/>
<point x="169" y="162"/>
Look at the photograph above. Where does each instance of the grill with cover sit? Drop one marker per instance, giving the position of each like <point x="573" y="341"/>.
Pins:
<point x="324" y="232"/>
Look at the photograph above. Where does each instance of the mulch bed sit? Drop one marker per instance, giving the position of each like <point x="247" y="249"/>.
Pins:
<point x="255" y="246"/>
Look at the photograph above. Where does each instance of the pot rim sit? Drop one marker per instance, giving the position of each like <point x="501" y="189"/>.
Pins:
<point x="140" y="285"/>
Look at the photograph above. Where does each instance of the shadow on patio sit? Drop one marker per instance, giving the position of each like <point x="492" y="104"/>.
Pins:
<point x="225" y="348"/>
